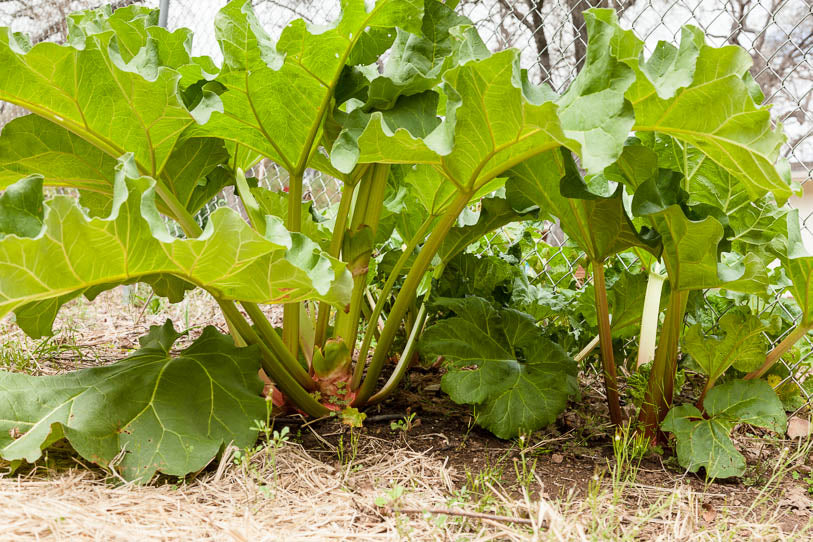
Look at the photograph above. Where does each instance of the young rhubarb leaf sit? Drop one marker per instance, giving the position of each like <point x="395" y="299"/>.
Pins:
<point x="741" y="344"/>
<point x="151" y="412"/>
<point x="229" y="258"/>
<point x="500" y="362"/>
<point x="487" y="277"/>
<point x="416" y="62"/>
<point x="704" y="441"/>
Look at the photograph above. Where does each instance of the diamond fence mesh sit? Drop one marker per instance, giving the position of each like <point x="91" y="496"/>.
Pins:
<point x="551" y="37"/>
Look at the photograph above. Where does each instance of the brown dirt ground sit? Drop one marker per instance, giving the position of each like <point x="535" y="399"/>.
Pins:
<point x="332" y="483"/>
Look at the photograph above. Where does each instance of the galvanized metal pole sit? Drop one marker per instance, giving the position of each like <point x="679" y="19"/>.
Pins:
<point x="164" y="13"/>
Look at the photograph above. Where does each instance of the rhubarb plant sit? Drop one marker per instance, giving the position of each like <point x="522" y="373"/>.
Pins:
<point x="436" y="142"/>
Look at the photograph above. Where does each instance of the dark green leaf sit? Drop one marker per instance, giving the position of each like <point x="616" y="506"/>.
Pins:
<point x="163" y="413"/>
<point x="501" y="362"/>
<point x="705" y="442"/>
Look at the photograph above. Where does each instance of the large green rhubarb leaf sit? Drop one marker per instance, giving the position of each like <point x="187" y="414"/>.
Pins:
<point x="32" y="144"/>
<point x="121" y="85"/>
<point x="276" y="97"/>
<point x="494" y="118"/>
<point x="704" y="441"/>
<point x="151" y="412"/>
<point x="229" y="259"/>
<point x="675" y="84"/>
<point x="92" y="89"/>
<point x="741" y="344"/>
<point x="500" y="361"/>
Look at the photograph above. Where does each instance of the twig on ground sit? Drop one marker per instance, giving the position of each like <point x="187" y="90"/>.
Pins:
<point x="462" y="513"/>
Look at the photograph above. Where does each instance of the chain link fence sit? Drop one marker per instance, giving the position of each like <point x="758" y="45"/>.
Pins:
<point x="551" y="37"/>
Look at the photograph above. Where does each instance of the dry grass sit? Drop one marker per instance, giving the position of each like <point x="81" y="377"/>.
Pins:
<point x="289" y="493"/>
<point x="285" y="494"/>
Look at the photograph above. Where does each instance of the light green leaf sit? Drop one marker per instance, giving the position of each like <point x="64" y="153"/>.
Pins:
<point x="32" y="144"/>
<point x="416" y="62"/>
<point x="798" y="265"/>
<point x="705" y="442"/>
<point x="593" y="111"/>
<point x="169" y="414"/>
<point x="229" y="258"/>
<point x="741" y="344"/>
<point x="276" y="204"/>
<point x="673" y="85"/>
<point x="501" y="362"/>
<point x="117" y="105"/>
<point x="275" y="100"/>
<point x="489" y="125"/>
<point x="691" y="247"/>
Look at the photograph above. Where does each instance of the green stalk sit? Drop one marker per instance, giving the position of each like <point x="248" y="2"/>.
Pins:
<point x="290" y="314"/>
<point x="364" y="349"/>
<point x="274" y="368"/>
<point x="661" y="384"/>
<point x="274" y="342"/>
<point x="403" y="362"/>
<point x="366" y="215"/>
<point x="411" y="344"/>
<point x="587" y="349"/>
<point x="334" y="250"/>
<point x="402" y="301"/>
<point x="779" y="350"/>
<point x="606" y="341"/>
<point x="243" y="333"/>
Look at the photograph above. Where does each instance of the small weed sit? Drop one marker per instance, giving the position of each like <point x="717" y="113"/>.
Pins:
<point x="274" y="440"/>
<point x="391" y="498"/>
<point x="15" y="357"/>
<point x="524" y="468"/>
<point x="629" y="449"/>
<point x="348" y="452"/>
<point x="405" y="424"/>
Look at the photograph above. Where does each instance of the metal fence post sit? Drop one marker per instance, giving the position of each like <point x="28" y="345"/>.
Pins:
<point x="162" y="16"/>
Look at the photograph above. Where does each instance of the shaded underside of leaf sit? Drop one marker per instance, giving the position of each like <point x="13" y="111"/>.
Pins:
<point x="229" y="258"/>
